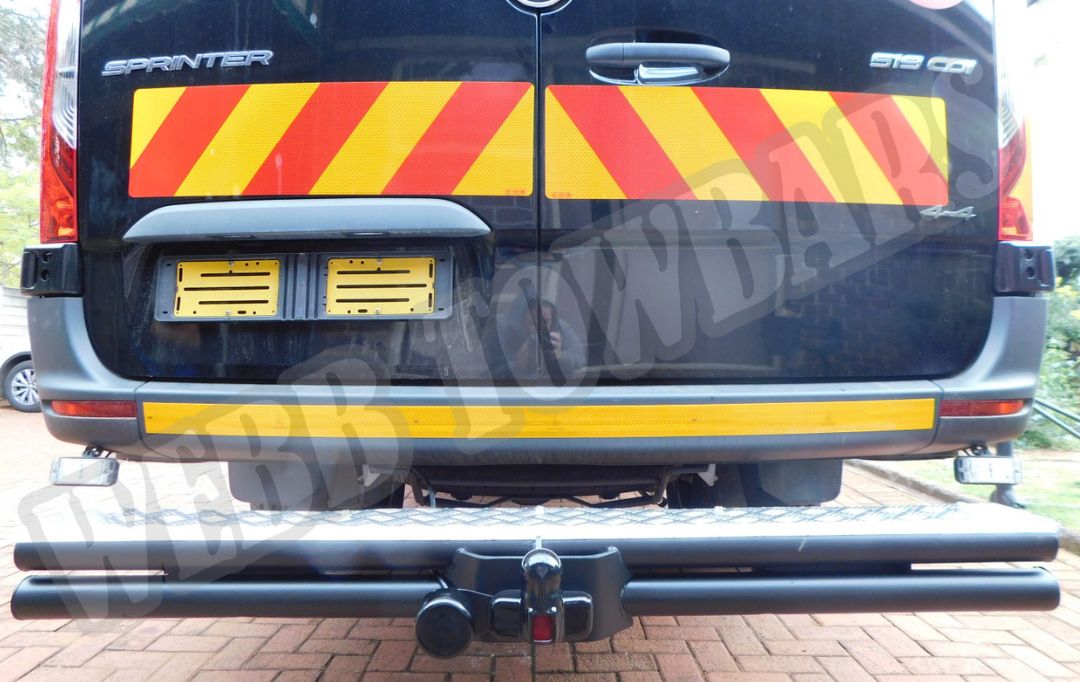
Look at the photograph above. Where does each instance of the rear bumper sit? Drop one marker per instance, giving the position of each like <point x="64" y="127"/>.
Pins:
<point x="606" y="425"/>
<point x="612" y="564"/>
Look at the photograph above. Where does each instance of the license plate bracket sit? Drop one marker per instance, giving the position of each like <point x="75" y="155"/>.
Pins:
<point x="98" y="472"/>
<point x="987" y="470"/>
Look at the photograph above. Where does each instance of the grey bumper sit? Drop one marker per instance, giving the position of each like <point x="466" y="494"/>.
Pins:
<point x="68" y="369"/>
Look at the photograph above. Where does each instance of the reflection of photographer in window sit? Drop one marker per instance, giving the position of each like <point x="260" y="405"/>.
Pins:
<point x="561" y="349"/>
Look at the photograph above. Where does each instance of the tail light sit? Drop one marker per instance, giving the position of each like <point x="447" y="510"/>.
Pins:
<point x="101" y="409"/>
<point x="59" y="129"/>
<point x="1014" y="168"/>
<point x="980" y="408"/>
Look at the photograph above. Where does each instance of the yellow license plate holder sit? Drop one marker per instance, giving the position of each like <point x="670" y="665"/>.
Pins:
<point x="227" y="288"/>
<point x="366" y="286"/>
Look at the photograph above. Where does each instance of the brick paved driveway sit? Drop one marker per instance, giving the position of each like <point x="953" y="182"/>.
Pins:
<point x="893" y="647"/>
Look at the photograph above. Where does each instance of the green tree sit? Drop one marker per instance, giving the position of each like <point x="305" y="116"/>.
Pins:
<point x="22" y="37"/>
<point x="1059" y="380"/>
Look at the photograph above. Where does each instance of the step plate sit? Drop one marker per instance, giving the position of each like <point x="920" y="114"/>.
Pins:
<point x="428" y="538"/>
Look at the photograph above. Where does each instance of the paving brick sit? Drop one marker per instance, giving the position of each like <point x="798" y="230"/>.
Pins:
<point x="768" y="627"/>
<point x="1014" y="670"/>
<point x="182" y="667"/>
<point x="236" y="653"/>
<point x="678" y="668"/>
<point x="980" y="636"/>
<point x="298" y="676"/>
<point x="601" y="663"/>
<point x="834" y="632"/>
<point x="403" y="677"/>
<point x="681" y="633"/>
<point x="649" y="646"/>
<point x="345" y="668"/>
<point x="856" y="619"/>
<point x="235" y="676"/>
<point x="81" y="650"/>
<point x="288" y="638"/>
<point x="844" y="669"/>
<point x="896" y="641"/>
<point x="915" y="627"/>
<point x="874" y="658"/>
<point x="602" y="646"/>
<point x="1048" y="622"/>
<point x="191" y="626"/>
<point x="810" y="647"/>
<point x="713" y="657"/>
<point x="344" y="647"/>
<point x="920" y="678"/>
<point x="392" y="656"/>
<point x="749" y="677"/>
<point x="23" y="661"/>
<point x="1049" y="645"/>
<point x="287" y="661"/>
<point x="147" y="661"/>
<point x="1037" y="660"/>
<point x="465" y="664"/>
<point x="513" y="668"/>
<point x="779" y="664"/>
<point x="180" y="643"/>
<point x="640" y="676"/>
<point x="229" y="629"/>
<point x="554" y="658"/>
<point x="141" y="636"/>
<point x="740" y="639"/>
<point x="363" y="630"/>
<point x="964" y="650"/>
<point x="940" y="665"/>
<point x="334" y="628"/>
<point x="983" y="622"/>
<point x="44" y="674"/>
<point x="19" y="639"/>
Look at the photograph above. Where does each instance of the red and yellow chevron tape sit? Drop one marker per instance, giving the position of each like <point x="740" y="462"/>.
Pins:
<point x="601" y="142"/>
<point x="415" y="138"/>
<point x="744" y="144"/>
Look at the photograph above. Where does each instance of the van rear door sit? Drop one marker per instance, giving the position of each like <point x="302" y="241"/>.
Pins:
<point x="221" y="102"/>
<point x="762" y="190"/>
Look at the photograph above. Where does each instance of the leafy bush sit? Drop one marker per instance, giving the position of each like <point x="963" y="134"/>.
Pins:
<point x="1060" y="375"/>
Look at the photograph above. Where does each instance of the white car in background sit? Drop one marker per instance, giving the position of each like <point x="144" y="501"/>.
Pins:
<point x="16" y="368"/>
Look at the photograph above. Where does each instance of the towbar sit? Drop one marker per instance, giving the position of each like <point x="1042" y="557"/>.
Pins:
<point x="540" y="575"/>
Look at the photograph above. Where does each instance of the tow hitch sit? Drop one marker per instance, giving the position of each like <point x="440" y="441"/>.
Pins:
<point x="538" y="574"/>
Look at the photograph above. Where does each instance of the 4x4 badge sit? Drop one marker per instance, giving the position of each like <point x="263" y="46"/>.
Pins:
<point x="936" y="212"/>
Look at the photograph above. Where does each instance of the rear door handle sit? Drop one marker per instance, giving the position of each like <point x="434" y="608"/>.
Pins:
<point x="656" y="63"/>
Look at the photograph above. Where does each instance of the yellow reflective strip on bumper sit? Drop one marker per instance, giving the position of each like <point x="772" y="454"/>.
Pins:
<point x="545" y="421"/>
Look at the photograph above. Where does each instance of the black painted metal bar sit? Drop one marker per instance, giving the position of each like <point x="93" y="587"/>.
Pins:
<point x="157" y="597"/>
<point x="639" y="554"/>
<point x="930" y="590"/>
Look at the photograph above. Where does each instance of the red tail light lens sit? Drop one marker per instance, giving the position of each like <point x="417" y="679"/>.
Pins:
<point x="980" y="408"/>
<point x="101" y="409"/>
<point x="543" y="629"/>
<point x="1015" y="213"/>
<point x="59" y="130"/>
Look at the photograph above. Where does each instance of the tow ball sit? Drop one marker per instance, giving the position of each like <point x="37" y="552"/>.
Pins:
<point x="515" y="599"/>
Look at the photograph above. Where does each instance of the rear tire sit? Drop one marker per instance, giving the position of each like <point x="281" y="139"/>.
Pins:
<point x="20" y="387"/>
